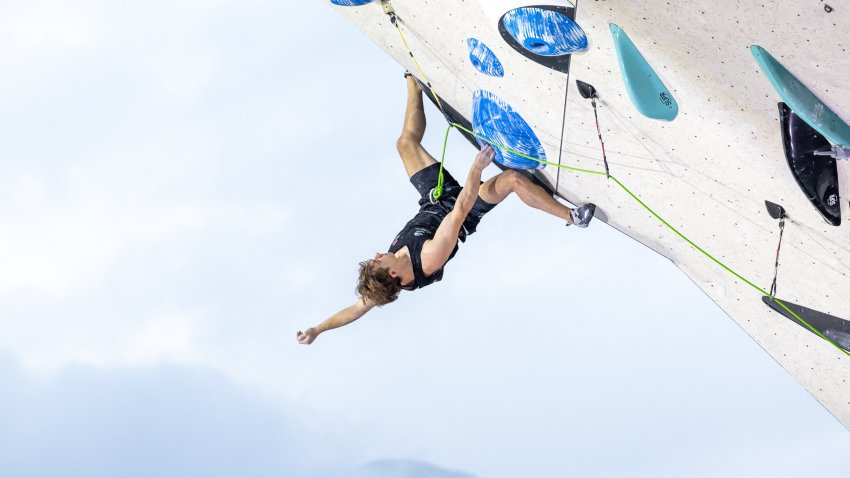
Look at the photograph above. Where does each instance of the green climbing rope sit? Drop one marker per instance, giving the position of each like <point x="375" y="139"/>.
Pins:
<point x="439" y="190"/>
<point x="667" y="224"/>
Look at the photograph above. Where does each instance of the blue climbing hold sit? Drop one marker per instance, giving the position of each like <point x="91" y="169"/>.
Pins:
<point x="483" y="58"/>
<point x="647" y="92"/>
<point x="495" y="120"/>
<point x="802" y="101"/>
<point x="544" y="32"/>
<point x="350" y="3"/>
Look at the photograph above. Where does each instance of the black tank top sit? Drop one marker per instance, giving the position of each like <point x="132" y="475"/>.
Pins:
<point x="421" y="228"/>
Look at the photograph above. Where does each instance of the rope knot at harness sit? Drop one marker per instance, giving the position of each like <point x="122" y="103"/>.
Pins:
<point x="434" y="195"/>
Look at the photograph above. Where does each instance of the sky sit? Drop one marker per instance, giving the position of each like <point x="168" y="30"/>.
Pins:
<point x="184" y="185"/>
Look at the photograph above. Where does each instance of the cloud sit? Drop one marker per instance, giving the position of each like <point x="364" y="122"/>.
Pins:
<point x="407" y="469"/>
<point x="169" y="420"/>
<point x="162" y="421"/>
<point x="184" y="185"/>
<point x="164" y="175"/>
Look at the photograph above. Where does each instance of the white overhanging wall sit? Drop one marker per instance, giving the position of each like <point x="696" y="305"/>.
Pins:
<point x="707" y="172"/>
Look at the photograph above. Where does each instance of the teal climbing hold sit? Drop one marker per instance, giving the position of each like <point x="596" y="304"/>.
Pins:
<point x="802" y="101"/>
<point x="649" y="95"/>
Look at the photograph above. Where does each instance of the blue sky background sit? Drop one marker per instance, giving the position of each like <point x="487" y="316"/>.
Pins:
<point x="183" y="185"/>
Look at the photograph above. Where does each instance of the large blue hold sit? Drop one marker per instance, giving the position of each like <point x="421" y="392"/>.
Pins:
<point x="483" y="58"/>
<point x="802" y="101"/>
<point x="544" y="32"/>
<point x="647" y="92"/>
<point x="350" y="3"/>
<point x="495" y="120"/>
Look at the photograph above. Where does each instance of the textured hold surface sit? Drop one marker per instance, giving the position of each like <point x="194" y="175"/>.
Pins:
<point x="833" y="327"/>
<point x="350" y="3"/>
<point x="647" y="91"/>
<point x="816" y="175"/>
<point x="483" y="58"/>
<point x="708" y="173"/>
<point x="801" y="100"/>
<point x="495" y="120"/>
<point x="544" y="32"/>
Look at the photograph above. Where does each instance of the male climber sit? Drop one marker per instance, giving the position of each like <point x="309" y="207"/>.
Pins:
<point x="419" y="252"/>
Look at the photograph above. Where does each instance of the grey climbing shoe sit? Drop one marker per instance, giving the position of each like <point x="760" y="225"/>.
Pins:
<point x="582" y="215"/>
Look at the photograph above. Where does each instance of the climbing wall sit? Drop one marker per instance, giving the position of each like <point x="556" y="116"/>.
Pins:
<point x="706" y="166"/>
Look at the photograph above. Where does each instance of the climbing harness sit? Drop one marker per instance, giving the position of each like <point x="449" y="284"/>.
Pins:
<point x="437" y="192"/>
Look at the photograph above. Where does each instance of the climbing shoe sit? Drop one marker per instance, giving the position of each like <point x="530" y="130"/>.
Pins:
<point x="582" y="215"/>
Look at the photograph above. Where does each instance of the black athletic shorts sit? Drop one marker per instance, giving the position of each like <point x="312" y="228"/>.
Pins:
<point x="426" y="179"/>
